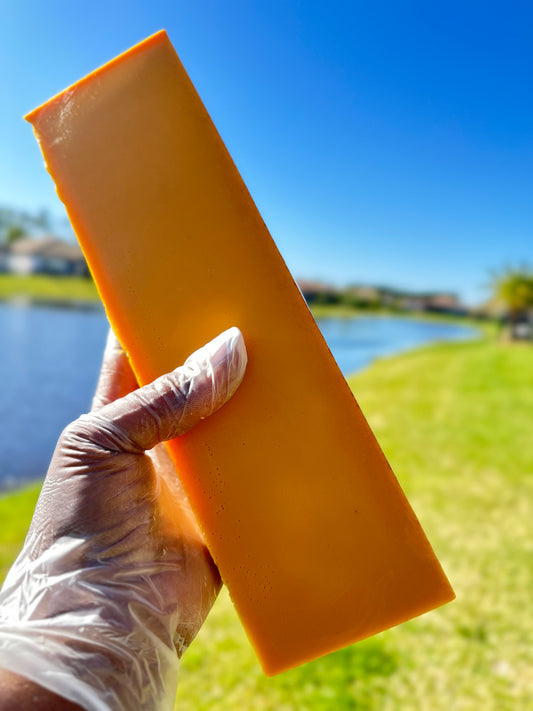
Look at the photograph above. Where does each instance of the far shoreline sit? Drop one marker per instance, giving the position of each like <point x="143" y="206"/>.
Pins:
<point x="80" y="293"/>
<point x="25" y="301"/>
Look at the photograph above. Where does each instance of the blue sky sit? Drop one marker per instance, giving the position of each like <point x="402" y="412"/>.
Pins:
<point x="383" y="142"/>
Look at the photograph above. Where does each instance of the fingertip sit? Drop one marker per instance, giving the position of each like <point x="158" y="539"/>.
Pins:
<point x="112" y="345"/>
<point x="116" y="376"/>
<point x="226" y="358"/>
<point x="238" y="358"/>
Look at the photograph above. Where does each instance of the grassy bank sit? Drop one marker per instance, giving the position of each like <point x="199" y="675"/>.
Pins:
<point x="455" y="421"/>
<point x="39" y="287"/>
<point x="16" y="510"/>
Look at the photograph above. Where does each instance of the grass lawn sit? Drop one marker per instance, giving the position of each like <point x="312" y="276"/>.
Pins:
<point x="47" y="288"/>
<point x="455" y="421"/>
<point x="16" y="510"/>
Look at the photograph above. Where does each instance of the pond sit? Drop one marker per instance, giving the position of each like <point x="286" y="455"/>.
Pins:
<point x="50" y="358"/>
<point x="355" y="343"/>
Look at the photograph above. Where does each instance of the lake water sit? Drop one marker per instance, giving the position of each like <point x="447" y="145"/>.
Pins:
<point x="50" y="359"/>
<point x="355" y="343"/>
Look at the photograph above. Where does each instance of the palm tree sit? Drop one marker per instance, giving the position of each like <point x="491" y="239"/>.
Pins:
<point x="513" y="288"/>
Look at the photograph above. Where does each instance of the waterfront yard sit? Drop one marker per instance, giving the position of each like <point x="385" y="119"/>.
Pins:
<point x="40" y="287"/>
<point x="455" y="421"/>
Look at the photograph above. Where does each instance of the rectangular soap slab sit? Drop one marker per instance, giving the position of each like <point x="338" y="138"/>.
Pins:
<point x="309" y="527"/>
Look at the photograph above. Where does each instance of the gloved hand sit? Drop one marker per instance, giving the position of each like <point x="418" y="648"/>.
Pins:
<point x="114" y="577"/>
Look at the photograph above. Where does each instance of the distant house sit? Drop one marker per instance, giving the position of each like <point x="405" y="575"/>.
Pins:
<point x="45" y="255"/>
<point x="4" y="251"/>
<point x="363" y="296"/>
<point x="444" y="303"/>
<point x="522" y="330"/>
<point x="412" y="302"/>
<point x="315" y="292"/>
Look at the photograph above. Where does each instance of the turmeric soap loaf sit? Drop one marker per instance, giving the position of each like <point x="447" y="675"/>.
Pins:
<point x="311" y="532"/>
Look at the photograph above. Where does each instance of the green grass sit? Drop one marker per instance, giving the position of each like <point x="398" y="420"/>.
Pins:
<point x="39" y="287"/>
<point x="16" y="510"/>
<point x="456" y="422"/>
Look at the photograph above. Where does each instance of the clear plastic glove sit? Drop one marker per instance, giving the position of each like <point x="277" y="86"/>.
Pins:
<point x="114" y="579"/>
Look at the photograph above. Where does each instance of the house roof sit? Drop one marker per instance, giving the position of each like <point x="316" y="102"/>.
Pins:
<point x="443" y="300"/>
<point x="315" y="286"/>
<point x="364" y="292"/>
<point x="48" y="246"/>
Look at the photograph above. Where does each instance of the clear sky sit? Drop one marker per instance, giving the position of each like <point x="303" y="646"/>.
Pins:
<point x="385" y="142"/>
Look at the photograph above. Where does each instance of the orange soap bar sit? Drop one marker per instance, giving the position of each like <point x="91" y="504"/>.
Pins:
<point x="309" y="528"/>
